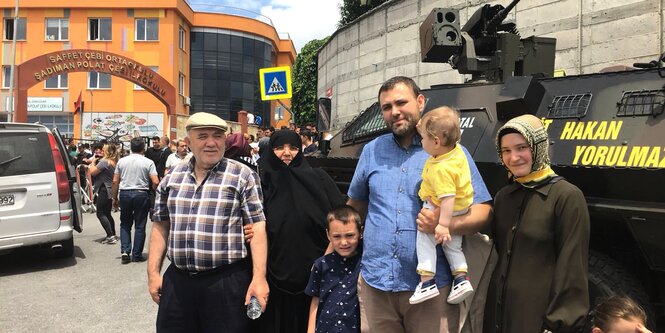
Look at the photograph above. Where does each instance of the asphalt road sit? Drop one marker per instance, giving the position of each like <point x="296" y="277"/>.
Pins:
<point x="91" y="292"/>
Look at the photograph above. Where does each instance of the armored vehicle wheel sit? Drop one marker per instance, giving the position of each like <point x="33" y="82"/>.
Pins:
<point x="608" y="278"/>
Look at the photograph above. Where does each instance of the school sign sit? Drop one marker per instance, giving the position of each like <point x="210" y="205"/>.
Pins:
<point x="43" y="67"/>
<point x="275" y="83"/>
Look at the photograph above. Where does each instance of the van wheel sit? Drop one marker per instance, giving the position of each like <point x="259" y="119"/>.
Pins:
<point x="67" y="250"/>
<point x="609" y="278"/>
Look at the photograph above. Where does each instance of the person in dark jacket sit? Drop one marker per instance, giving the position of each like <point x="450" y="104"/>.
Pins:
<point x="297" y="199"/>
<point x="308" y="146"/>
<point x="158" y="153"/>
<point x="541" y="233"/>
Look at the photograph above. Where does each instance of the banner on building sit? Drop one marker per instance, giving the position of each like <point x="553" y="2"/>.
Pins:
<point x="121" y="126"/>
<point x="37" y="104"/>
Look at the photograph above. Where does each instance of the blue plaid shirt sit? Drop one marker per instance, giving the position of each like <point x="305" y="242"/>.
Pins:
<point x="388" y="178"/>
<point x="206" y="220"/>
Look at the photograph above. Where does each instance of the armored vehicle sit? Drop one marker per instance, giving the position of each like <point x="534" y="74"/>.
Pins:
<point x="607" y="136"/>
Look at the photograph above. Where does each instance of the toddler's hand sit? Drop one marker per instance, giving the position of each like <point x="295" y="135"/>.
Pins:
<point x="442" y="234"/>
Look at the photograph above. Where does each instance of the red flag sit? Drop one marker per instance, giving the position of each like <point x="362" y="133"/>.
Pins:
<point x="77" y="104"/>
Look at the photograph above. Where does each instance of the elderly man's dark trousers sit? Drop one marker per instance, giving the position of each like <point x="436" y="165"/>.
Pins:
<point x="213" y="302"/>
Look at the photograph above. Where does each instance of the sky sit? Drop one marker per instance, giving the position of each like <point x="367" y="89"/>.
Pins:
<point x="303" y="20"/>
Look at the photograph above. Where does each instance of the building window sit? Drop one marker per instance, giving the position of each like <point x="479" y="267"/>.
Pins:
<point x="181" y="38"/>
<point x="147" y="29"/>
<point x="57" y="29"/>
<point x="181" y="84"/>
<point x="64" y="123"/>
<point x="220" y="79"/>
<point x="99" y="29"/>
<point x="6" y="79"/>
<point x="20" y="29"/>
<point x="154" y="68"/>
<point x="57" y="82"/>
<point x="99" y="80"/>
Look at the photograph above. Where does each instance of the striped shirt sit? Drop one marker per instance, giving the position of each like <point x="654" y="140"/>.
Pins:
<point x="206" y="220"/>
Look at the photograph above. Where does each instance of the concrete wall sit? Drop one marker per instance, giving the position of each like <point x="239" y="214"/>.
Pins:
<point x="591" y="35"/>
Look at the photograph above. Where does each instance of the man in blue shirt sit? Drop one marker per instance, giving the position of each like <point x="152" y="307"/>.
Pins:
<point x="384" y="189"/>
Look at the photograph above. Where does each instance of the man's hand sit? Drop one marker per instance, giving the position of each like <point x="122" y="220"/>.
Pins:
<point x="157" y="251"/>
<point x="249" y="232"/>
<point x="259" y="289"/>
<point x="155" y="287"/>
<point x="116" y="204"/>
<point x="428" y="219"/>
<point x="442" y="234"/>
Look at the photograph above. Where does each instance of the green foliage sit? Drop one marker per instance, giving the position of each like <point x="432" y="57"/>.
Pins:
<point x="352" y="9"/>
<point x="305" y="76"/>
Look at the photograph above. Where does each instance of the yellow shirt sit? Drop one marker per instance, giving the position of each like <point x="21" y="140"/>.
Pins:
<point x="447" y="175"/>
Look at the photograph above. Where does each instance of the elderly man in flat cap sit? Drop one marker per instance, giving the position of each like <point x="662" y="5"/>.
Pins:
<point x="200" y="210"/>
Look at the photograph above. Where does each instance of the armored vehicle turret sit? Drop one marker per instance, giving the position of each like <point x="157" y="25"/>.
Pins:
<point x="486" y="47"/>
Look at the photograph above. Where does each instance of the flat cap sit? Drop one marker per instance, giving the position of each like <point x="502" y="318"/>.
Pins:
<point x="205" y="120"/>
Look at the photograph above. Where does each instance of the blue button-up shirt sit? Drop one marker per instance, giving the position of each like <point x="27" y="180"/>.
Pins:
<point x="388" y="178"/>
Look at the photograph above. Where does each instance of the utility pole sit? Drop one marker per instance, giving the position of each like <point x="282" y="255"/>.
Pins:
<point x="10" y="107"/>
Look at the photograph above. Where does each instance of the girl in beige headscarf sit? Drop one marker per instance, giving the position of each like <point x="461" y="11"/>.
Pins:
<point x="541" y="232"/>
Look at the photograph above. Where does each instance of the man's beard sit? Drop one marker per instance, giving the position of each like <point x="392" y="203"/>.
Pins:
<point x="406" y="128"/>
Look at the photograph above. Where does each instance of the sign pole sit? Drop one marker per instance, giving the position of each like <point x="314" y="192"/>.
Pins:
<point x="10" y="109"/>
<point x="285" y="107"/>
<point x="276" y="84"/>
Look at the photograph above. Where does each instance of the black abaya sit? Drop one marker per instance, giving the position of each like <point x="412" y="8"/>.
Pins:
<point x="297" y="199"/>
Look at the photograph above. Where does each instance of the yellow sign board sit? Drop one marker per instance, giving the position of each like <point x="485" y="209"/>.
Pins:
<point x="275" y="83"/>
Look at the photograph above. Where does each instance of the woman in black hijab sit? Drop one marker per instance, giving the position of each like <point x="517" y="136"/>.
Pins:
<point x="297" y="199"/>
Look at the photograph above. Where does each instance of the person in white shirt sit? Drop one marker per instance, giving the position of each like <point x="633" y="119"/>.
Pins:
<point x="182" y="154"/>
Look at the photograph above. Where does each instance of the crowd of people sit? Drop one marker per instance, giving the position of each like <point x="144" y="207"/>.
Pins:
<point x="243" y="218"/>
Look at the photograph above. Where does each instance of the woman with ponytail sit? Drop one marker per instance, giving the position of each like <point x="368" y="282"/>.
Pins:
<point x="101" y="171"/>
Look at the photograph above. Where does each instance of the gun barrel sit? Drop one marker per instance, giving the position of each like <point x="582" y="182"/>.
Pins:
<point x="501" y="15"/>
<point x="511" y="6"/>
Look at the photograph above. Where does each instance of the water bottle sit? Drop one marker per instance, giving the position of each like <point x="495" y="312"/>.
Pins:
<point x="253" y="308"/>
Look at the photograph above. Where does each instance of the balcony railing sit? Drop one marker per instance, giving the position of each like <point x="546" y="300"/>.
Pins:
<point x="221" y="9"/>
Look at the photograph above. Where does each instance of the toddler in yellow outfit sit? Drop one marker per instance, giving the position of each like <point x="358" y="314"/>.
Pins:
<point x="447" y="184"/>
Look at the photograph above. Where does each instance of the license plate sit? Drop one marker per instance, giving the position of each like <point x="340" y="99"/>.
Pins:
<point x="6" y="200"/>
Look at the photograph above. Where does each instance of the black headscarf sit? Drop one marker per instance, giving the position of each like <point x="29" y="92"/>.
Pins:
<point x="297" y="199"/>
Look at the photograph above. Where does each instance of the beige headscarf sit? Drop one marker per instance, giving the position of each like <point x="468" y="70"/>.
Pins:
<point x="532" y="129"/>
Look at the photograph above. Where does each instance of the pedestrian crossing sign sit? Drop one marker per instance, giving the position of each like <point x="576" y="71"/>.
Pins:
<point x="275" y="82"/>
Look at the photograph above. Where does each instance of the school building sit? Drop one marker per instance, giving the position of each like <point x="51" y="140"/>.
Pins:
<point x="138" y="67"/>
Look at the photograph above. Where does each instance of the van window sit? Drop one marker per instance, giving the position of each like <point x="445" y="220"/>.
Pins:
<point x="25" y="153"/>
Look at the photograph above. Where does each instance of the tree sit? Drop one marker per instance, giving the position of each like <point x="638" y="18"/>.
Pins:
<point x="305" y="76"/>
<point x="352" y="9"/>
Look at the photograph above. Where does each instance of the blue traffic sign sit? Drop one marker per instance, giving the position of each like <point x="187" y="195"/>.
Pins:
<point x="275" y="82"/>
